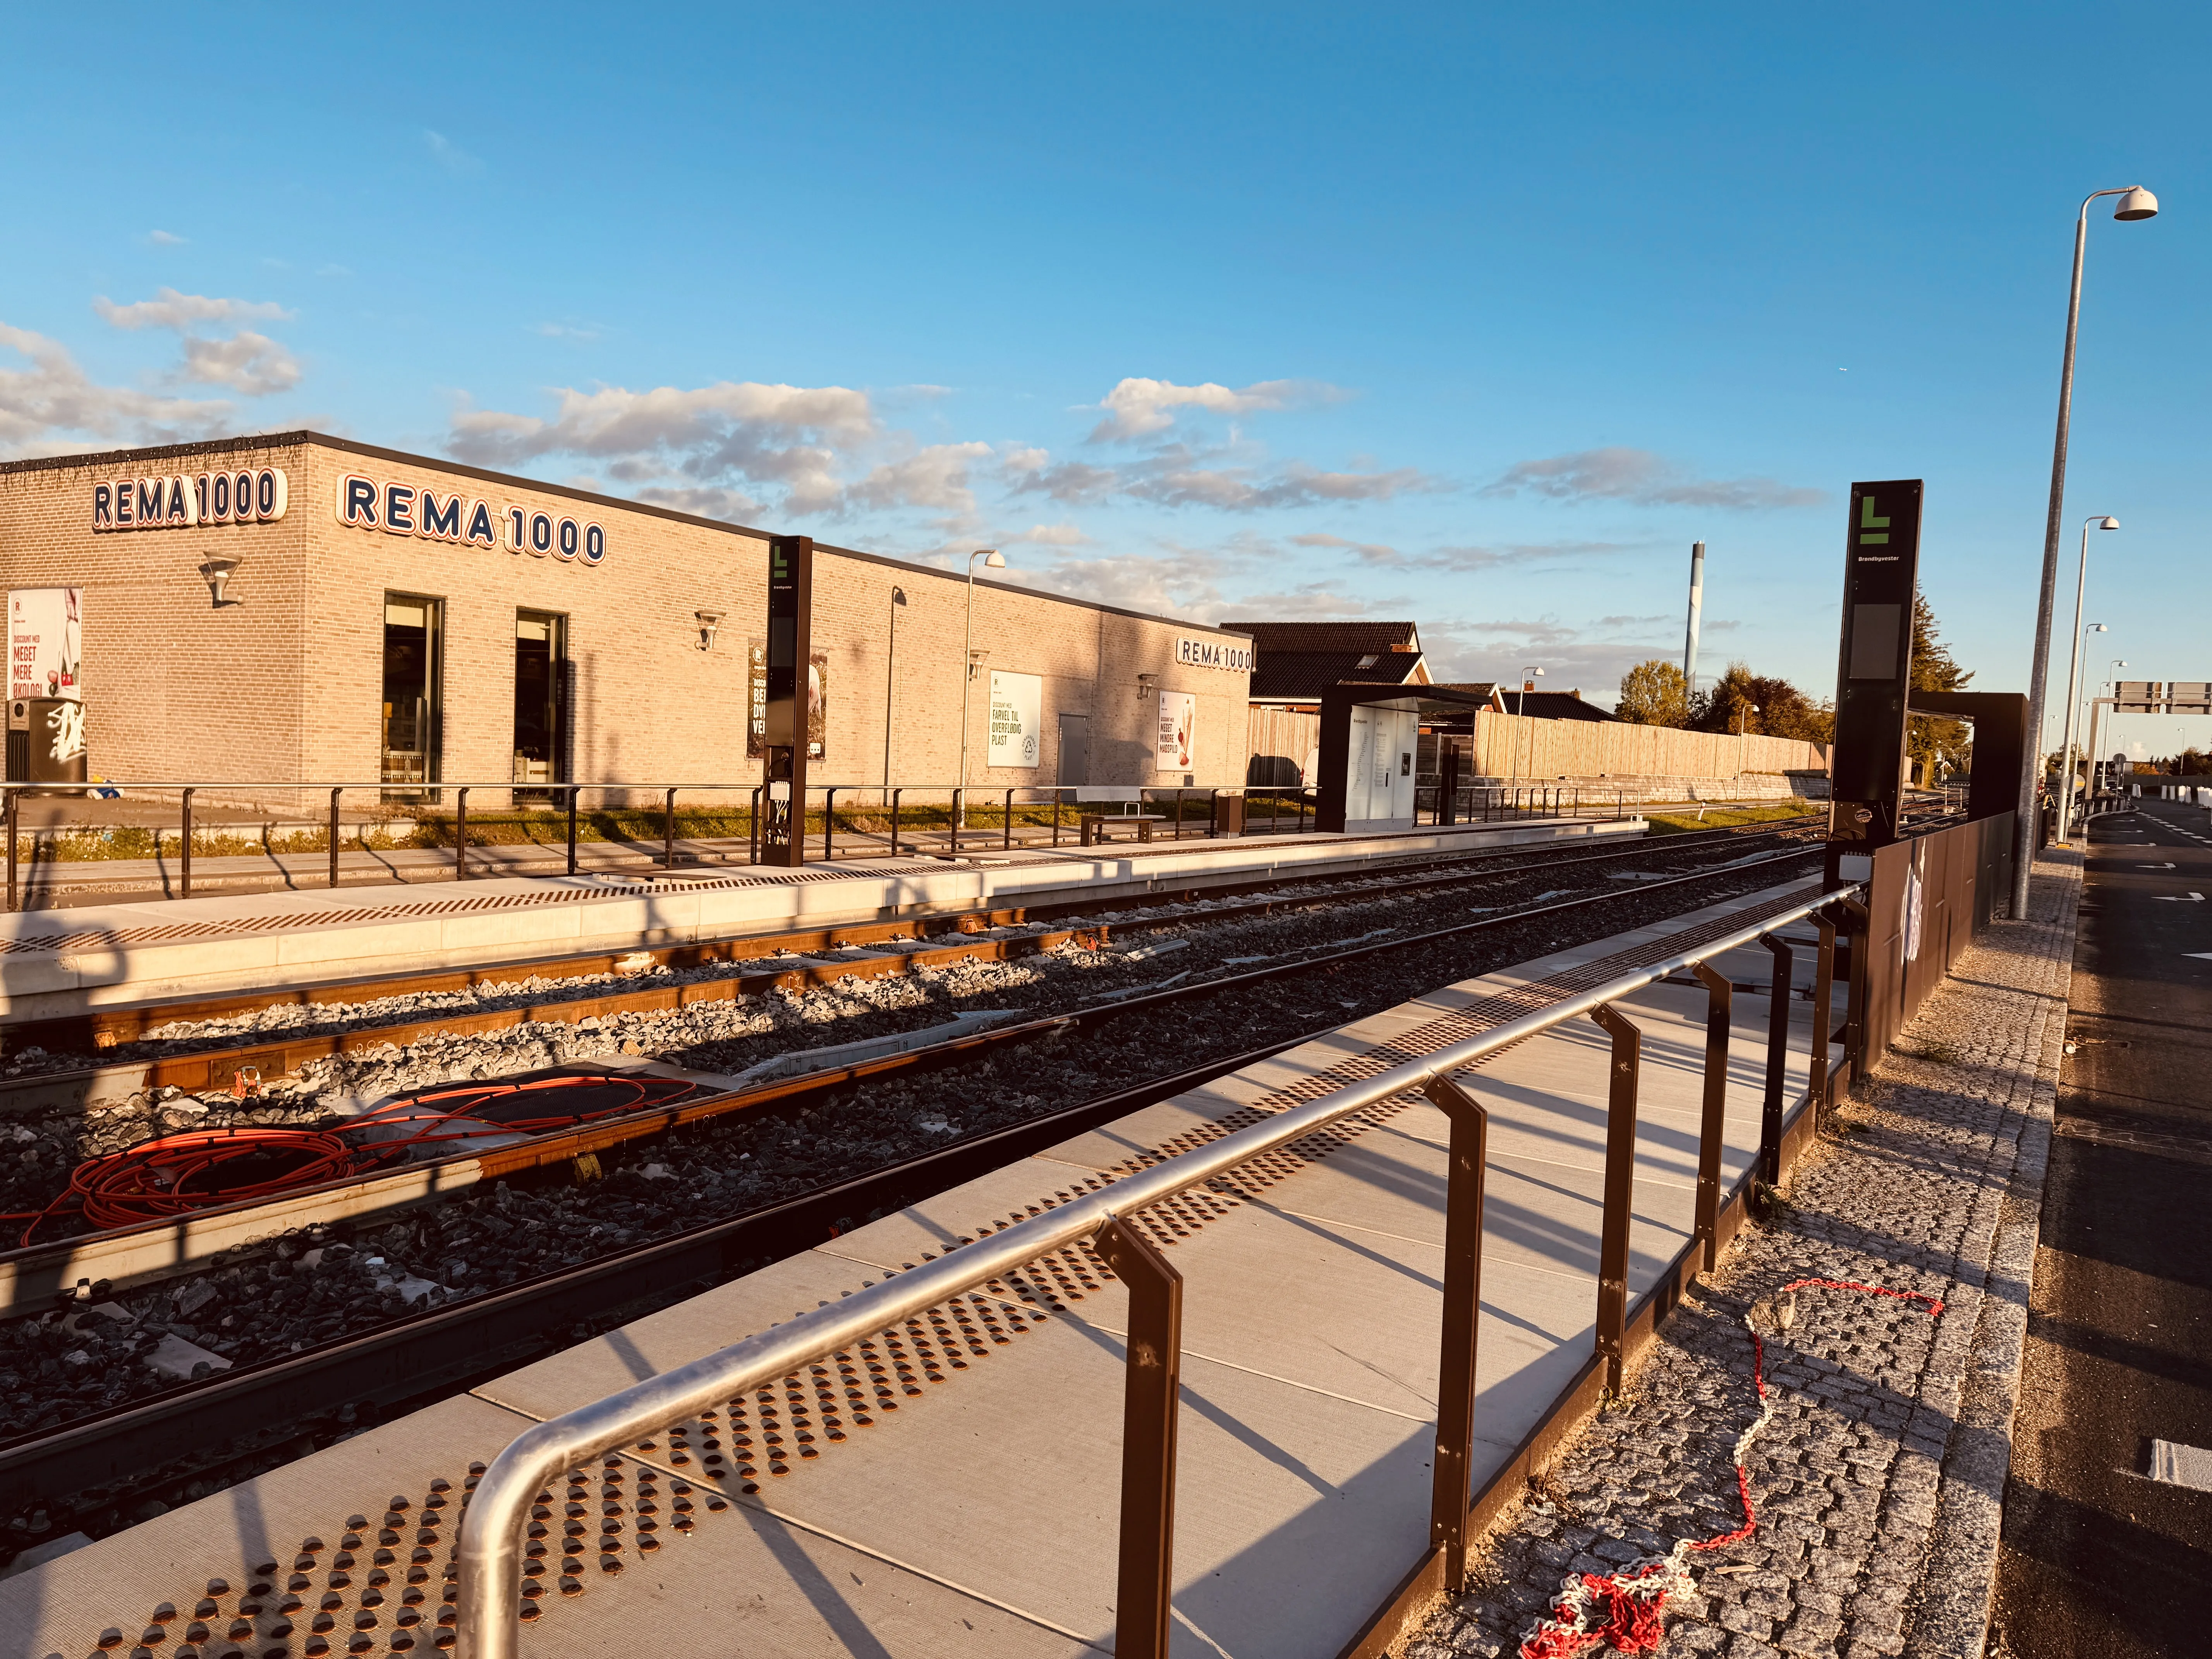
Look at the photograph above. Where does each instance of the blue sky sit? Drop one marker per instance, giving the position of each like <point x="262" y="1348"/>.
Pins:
<point x="1470" y="316"/>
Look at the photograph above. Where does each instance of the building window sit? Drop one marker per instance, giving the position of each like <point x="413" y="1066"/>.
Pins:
<point x="414" y="637"/>
<point x="541" y="701"/>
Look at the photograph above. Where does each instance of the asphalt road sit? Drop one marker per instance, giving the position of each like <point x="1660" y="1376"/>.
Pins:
<point x="2098" y="1557"/>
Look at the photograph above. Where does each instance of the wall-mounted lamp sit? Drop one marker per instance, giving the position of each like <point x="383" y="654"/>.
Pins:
<point x="217" y="574"/>
<point x="1146" y="684"/>
<point x="709" y="621"/>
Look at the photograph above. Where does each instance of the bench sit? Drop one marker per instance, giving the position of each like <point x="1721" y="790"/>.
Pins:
<point x="1098" y="827"/>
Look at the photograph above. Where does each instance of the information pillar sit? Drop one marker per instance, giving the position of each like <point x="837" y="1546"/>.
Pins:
<point x="1865" y="776"/>
<point x="790" y="649"/>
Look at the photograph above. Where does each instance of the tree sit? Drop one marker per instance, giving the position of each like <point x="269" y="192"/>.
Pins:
<point x="1929" y="737"/>
<point x="1763" y="704"/>
<point x="1654" y="693"/>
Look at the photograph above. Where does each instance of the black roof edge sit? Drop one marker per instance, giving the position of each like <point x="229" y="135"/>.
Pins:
<point x="291" y="440"/>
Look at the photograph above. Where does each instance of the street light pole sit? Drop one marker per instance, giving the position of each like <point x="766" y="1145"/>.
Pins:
<point x="1743" y="713"/>
<point x="2135" y="203"/>
<point x="1521" y="713"/>
<point x="2073" y="679"/>
<point x="992" y="559"/>
<point x="890" y="687"/>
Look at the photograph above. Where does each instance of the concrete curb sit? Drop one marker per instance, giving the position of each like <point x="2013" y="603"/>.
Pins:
<point x="1950" y="1614"/>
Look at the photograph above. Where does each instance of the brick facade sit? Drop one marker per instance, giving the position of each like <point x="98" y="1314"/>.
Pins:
<point x="285" y="684"/>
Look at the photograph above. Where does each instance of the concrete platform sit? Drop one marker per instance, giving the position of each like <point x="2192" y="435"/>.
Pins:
<point x="977" y="1514"/>
<point x="56" y="964"/>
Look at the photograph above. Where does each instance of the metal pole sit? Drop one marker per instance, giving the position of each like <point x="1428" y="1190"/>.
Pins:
<point x="829" y="822"/>
<point x="668" y="831"/>
<point x="1824" y="980"/>
<point x="187" y="806"/>
<point x="573" y="793"/>
<point x="15" y="820"/>
<point x="335" y="793"/>
<point x="1007" y="835"/>
<point x="1720" y="999"/>
<point x="2073" y="689"/>
<point x="1620" y="1193"/>
<point x="1455" y="1365"/>
<point x="2031" y="766"/>
<point x="1855" y="987"/>
<point x="896" y="793"/>
<point x="753" y="823"/>
<point x="460" y="835"/>
<point x="1149" y="1401"/>
<point x="1777" y="1064"/>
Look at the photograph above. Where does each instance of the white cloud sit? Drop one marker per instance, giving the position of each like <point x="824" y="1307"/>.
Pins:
<point x="786" y="436"/>
<point x="170" y="309"/>
<point x="704" y="501"/>
<point x="1137" y="406"/>
<point x="1176" y="476"/>
<point x="448" y="155"/>
<point x="1638" y="475"/>
<point x="1052" y="535"/>
<point x="248" y="362"/>
<point x="568" y="330"/>
<point x="165" y="238"/>
<point x="1178" y="585"/>
<point x="43" y="405"/>
<point x="934" y="476"/>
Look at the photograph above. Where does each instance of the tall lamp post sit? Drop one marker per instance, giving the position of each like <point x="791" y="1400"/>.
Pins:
<point x="2135" y="202"/>
<point x="2112" y="685"/>
<point x="992" y="559"/>
<point x="1531" y="672"/>
<point x="1744" y="711"/>
<point x="2073" y="679"/>
<point x="890" y="687"/>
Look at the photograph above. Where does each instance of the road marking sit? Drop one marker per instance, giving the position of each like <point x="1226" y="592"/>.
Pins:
<point x="2168" y="865"/>
<point x="2175" y="898"/>
<point x="2181" y="1466"/>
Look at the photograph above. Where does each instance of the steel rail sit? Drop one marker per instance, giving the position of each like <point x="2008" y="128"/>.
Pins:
<point x="488" y="1559"/>
<point x="561" y="1144"/>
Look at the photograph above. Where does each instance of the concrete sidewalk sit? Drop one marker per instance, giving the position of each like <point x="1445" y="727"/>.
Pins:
<point x="1879" y="1484"/>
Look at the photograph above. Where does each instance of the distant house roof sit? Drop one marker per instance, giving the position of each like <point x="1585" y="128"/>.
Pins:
<point x="1537" y="705"/>
<point x="1296" y="661"/>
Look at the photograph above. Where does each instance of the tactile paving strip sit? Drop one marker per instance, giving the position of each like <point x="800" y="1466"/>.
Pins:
<point x="385" y="1605"/>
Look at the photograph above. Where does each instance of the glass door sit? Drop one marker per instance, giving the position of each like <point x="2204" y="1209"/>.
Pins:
<point x="541" y="714"/>
<point x="414" y="629"/>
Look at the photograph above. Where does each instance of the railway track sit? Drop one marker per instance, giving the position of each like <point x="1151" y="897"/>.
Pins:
<point x="887" y="948"/>
<point x="86" y="1467"/>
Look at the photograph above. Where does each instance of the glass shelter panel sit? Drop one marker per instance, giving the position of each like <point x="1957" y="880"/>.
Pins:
<point x="541" y="714"/>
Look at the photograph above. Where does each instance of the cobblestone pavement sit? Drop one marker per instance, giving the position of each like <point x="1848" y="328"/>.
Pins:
<point x="1879" y="1482"/>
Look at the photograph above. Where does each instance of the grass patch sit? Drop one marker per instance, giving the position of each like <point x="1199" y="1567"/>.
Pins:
<point x="1675" y="821"/>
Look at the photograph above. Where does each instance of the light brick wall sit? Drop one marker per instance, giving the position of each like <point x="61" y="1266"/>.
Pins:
<point x="286" y="684"/>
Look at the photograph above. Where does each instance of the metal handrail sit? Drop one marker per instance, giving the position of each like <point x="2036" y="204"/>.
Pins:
<point x="488" y="1560"/>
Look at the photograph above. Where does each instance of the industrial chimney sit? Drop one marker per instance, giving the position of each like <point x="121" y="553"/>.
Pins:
<point x="1696" y="606"/>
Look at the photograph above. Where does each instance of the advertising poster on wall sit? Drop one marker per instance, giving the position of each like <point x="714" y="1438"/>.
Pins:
<point x="1177" y="743"/>
<point x="45" y="641"/>
<point x="1016" y="719"/>
<point x="818" y="702"/>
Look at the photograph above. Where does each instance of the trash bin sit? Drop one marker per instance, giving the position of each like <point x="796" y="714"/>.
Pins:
<point x="56" y="741"/>
<point x="1229" y="814"/>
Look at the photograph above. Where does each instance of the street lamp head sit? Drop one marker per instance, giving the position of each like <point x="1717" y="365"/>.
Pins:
<point x="2137" y="204"/>
<point x="992" y="558"/>
<point x="2108" y="524"/>
<point x="898" y="596"/>
<point x="2098" y="628"/>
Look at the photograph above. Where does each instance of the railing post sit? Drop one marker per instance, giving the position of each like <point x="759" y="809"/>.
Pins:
<point x="14" y="824"/>
<point x="828" y="823"/>
<point x="1777" y="1064"/>
<point x="1627" y="1065"/>
<point x="573" y="793"/>
<point x="460" y="835"/>
<point x="1212" y="813"/>
<point x="1720" y="999"/>
<point x="335" y="793"/>
<point x="1455" y="1365"/>
<point x="1148" y="1439"/>
<point x="896" y="793"/>
<point x="1007" y="837"/>
<point x="1055" y="815"/>
<point x="753" y="827"/>
<point x="959" y="811"/>
<point x="1824" y="977"/>
<point x="668" y="831"/>
<point x="1855" y="997"/>
<point x="186" y="885"/>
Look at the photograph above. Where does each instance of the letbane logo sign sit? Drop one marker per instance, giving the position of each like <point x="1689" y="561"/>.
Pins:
<point x="1213" y="653"/>
<point x="249" y="495"/>
<point x="401" y="509"/>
